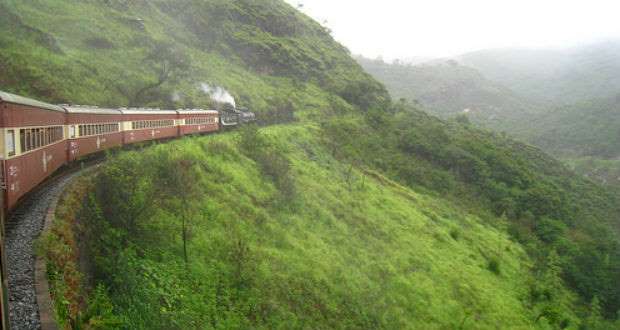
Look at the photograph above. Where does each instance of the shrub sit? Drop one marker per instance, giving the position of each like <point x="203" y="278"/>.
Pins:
<point x="455" y="234"/>
<point x="494" y="266"/>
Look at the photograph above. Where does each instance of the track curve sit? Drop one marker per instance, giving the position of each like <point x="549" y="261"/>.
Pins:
<point x="22" y="228"/>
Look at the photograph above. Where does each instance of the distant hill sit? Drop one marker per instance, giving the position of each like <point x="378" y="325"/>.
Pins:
<point x="579" y="86"/>
<point x="565" y="101"/>
<point x="446" y="88"/>
<point x="561" y="76"/>
<point x="588" y="128"/>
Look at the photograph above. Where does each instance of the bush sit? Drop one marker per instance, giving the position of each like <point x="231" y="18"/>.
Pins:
<point x="455" y="234"/>
<point x="494" y="266"/>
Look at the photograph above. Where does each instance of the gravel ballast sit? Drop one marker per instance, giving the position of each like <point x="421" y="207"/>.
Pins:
<point x="23" y="227"/>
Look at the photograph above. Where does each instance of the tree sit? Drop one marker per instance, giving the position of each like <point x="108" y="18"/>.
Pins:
<point x="548" y="291"/>
<point x="178" y="190"/>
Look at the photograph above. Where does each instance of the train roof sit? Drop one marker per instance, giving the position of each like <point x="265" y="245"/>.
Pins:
<point x="89" y="109"/>
<point x="16" y="99"/>
<point x="146" y="111"/>
<point x="196" y="112"/>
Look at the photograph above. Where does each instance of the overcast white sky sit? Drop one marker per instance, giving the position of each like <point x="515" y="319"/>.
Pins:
<point x="437" y="28"/>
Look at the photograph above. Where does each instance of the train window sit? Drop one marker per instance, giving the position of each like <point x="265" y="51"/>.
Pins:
<point x="35" y="138"/>
<point x="30" y="144"/>
<point x="10" y="142"/>
<point x="22" y="139"/>
<point x="71" y="131"/>
<point x="28" y="139"/>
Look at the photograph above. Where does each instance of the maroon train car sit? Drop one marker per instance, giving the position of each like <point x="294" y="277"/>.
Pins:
<point x="92" y="129"/>
<point x="198" y="121"/>
<point x="33" y="144"/>
<point x="148" y="124"/>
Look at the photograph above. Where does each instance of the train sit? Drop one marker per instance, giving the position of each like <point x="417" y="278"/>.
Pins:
<point x="38" y="138"/>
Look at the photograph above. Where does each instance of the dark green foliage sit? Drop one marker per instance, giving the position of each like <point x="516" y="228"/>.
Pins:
<point x="455" y="234"/>
<point x="494" y="266"/>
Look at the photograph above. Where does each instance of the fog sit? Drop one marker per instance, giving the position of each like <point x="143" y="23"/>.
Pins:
<point x="438" y="28"/>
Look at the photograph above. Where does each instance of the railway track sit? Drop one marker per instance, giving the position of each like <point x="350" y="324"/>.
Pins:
<point x="23" y="227"/>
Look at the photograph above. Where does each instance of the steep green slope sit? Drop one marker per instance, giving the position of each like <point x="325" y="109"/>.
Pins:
<point x="448" y="89"/>
<point x="316" y="244"/>
<point x="159" y="53"/>
<point x="549" y="208"/>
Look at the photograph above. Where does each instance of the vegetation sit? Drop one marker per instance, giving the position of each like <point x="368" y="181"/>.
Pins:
<point x="345" y="248"/>
<point x="159" y="53"/>
<point x="549" y="209"/>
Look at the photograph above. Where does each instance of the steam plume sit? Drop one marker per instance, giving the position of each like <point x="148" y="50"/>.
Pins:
<point x="218" y="94"/>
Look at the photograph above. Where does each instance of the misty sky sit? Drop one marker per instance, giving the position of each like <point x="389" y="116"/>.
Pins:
<point x="436" y="28"/>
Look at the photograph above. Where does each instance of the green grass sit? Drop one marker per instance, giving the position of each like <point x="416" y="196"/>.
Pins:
<point x="349" y="249"/>
<point x="287" y="63"/>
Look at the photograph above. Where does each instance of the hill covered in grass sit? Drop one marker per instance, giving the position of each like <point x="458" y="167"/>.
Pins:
<point x="280" y="233"/>
<point x="161" y="53"/>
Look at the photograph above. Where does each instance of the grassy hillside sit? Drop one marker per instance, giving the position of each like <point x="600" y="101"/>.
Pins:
<point x="448" y="89"/>
<point x="296" y="227"/>
<point x="156" y="53"/>
<point x="315" y="244"/>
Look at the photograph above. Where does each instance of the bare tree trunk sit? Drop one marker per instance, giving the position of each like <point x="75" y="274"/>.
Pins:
<point x="184" y="239"/>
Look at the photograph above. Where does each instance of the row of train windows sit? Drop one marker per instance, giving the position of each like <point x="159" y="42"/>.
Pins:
<point x="151" y="123"/>
<point x="33" y="138"/>
<point x="97" y="129"/>
<point x="200" y="120"/>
